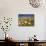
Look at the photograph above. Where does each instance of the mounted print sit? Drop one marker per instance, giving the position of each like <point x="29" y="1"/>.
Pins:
<point x="26" y="20"/>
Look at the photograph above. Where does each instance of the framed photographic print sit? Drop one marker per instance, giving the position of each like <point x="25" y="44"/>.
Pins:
<point x="25" y="19"/>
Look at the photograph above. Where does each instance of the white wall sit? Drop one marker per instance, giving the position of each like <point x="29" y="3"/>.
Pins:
<point x="12" y="8"/>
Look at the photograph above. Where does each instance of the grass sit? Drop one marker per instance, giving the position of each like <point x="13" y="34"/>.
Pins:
<point x="27" y="19"/>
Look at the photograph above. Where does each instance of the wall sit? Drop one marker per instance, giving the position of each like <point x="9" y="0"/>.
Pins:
<point x="11" y="8"/>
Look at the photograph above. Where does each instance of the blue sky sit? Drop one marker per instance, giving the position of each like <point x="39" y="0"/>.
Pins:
<point x="25" y="15"/>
